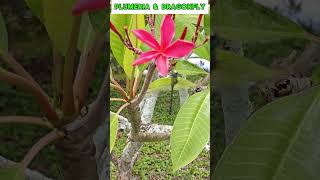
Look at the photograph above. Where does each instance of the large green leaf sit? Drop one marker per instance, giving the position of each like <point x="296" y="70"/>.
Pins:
<point x="3" y="36"/>
<point x="232" y="69"/>
<point x="124" y="56"/>
<point x="279" y="142"/>
<point x="113" y="129"/>
<point x="87" y="34"/>
<point x="187" y="68"/>
<point x="164" y="84"/>
<point x="191" y="130"/>
<point x="99" y="20"/>
<point x="207" y="24"/>
<point x="58" y="21"/>
<point x="36" y="7"/>
<point x="14" y="172"/>
<point x="247" y="21"/>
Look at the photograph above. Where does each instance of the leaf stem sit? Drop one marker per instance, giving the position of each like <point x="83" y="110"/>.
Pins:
<point x="44" y="141"/>
<point x="146" y="84"/>
<point x="41" y="97"/>
<point x="26" y="120"/>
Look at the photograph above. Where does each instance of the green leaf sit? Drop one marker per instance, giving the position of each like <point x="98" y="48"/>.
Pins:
<point x="164" y="84"/>
<point x="232" y="69"/>
<point x="137" y="22"/>
<point x="87" y="34"/>
<point x="187" y="68"/>
<point x="14" y="172"/>
<point x="316" y="76"/>
<point x="99" y="20"/>
<point x="207" y="24"/>
<point x="191" y="130"/>
<point x="36" y="7"/>
<point x="3" y="36"/>
<point x="246" y="20"/>
<point x="279" y="142"/>
<point x="124" y="56"/>
<point x="58" y="21"/>
<point x="113" y="129"/>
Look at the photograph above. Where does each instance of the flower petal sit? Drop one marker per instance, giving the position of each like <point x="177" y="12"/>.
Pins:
<point x="167" y="31"/>
<point x="147" y="38"/>
<point x="179" y="49"/>
<point x="146" y="57"/>
<point x="89" y="5"/>
<point x="163" y="66"/>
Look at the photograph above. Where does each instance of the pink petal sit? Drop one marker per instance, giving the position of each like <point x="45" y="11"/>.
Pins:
<point x="147" y="38"/>
<point x="163" y="65"/>
<point x="146" y="57"/>
<point x="89" y="5"/>
<point x="179" y="49"/>
<point x="167" y="31"/>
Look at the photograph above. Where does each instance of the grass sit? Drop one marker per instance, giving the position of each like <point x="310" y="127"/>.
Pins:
<point x="154" y="159"/>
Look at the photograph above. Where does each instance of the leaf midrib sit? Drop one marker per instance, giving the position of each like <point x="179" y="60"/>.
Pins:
<point x="201" y="105"/>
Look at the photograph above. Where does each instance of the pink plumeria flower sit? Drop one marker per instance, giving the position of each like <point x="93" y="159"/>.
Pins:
<point x="165" y="50"/>
<point x="89" y="5"/>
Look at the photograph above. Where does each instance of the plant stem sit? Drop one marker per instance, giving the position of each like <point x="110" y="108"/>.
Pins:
<point x="44" y="141"/>
<point x="42" y="98"/>
<point x="68" y="101"/>
<point x="26" y="120"/>
<point x="57" y="74"/>
<point x="120" y="89"/>
<point x="85" y="72"/>
<point x="118" y="99"/>
<point x="146" y="84"/>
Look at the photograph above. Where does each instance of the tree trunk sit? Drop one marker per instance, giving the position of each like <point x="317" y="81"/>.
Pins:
<point x="130" y="152"/>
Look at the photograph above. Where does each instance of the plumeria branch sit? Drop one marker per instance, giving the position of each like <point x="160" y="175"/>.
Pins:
<point x="42" y="98"/>
<point x="26" y="120"/>
<point x="44" y="141"/>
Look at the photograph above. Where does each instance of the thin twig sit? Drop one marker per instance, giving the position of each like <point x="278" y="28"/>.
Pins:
<point x="202" y="43"/>
<point x="117" y="86"/>
<point x="122" y="107"/>
<point x="44" y="141"/>
<point x="136" y="84"/>
<point x="26" y="120"/>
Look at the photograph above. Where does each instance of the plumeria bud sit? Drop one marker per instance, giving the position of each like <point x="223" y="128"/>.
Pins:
<point x="89" y="5"/>
<point x="115" y="30"/>
<point x="184" y="33"/>
<point x="199" y="21"/>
